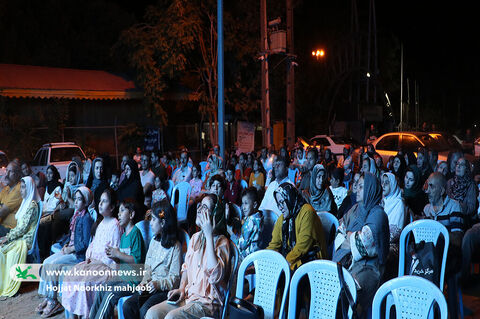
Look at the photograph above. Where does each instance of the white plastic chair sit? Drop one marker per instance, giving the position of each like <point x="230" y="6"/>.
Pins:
<point x="428" y="231"/>
<point x="412" y="296"/>
<point x="33" y="255"/>
<point x="330" y="226"/>
<point x="183" y="190"/>
<point x="324" y="287"/>
<point x="269" y="265"/>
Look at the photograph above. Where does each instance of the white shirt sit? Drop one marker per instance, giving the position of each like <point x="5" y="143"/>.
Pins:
<point x="148" y="178"/>
<point x="269" y="202"/>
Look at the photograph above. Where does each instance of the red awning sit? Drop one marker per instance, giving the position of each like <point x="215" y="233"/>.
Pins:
<point x="24" y="81"/>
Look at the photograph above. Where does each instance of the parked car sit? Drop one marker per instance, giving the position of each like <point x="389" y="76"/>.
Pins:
<point x="334" y="143"/>
<point x="57" y="154"/>
<point x="388" y="144"/>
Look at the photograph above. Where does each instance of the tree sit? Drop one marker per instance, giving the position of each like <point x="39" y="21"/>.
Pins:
<point x="177" y="43"/>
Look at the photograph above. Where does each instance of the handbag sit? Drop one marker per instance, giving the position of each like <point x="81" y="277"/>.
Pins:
<point x="242" y="309"/>
<point x="346" y="299"/>
<point x="424" y="260"/>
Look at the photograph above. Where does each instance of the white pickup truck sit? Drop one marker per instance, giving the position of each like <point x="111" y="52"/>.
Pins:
<point x="58" y="155"/>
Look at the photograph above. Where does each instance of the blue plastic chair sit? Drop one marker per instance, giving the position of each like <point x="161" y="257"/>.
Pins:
<point x="330" y="226"/>
<point x="146" y="231"/>
<point x="428" y="231"/>
<point x="292" y="174"/>
<point x="33" y="255"/>
<point x="203" y="165"/>
<point x="243" y="184"/>
<point x="183" y="190"/>
<point x="324" y="288"/>
<point x="412" y="296"/>
<point x="269" y="265"/>
<point x="170" y="188"/>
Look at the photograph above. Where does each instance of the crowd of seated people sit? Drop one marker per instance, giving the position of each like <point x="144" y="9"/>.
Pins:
<point x="91" y="217"/>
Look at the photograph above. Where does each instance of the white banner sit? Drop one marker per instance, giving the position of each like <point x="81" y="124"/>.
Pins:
<point x="245" y="137"/>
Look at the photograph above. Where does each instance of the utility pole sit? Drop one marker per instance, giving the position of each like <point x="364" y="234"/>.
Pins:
<point x="265" y="86"/>
<point x="417" y="124"/>
<point x="221" y="109"/>
<point x="401" y="88"/>
<point x="290" y="78"/>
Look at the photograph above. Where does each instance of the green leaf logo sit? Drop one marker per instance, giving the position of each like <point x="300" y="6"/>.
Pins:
<point x="23" y="274"/>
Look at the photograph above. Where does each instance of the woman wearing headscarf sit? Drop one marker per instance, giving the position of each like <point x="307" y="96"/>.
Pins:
<point x="298" y="233"/>
<point x="61" y="217"/>
<point x="97" y="181"/>
<point x="453" y="157"/>
<point x="413" y="194"/>
<point x="51" y="203"/>
<point x="410" y="158"/>
<point x="362" y="240"/>
<point x="463" y="189"/>
<point x="319" y="194"/>
<point x="368" y="166"/>
<point x="53" y="191"/>
<point x="423" y="165"/>
<point x="15" y="245"/>
<point x="398" y="168"/>
<point x="205" y="273"/>
<point x="214" y="168"/>
<point x="351" y="198"/>
<point x="393" y="205"/>
<point x="131" y="186"/>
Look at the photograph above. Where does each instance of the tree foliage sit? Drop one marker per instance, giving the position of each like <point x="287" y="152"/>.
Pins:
<point x="177" y="43"/>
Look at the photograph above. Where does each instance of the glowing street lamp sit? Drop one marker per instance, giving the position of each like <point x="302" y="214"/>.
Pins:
<point x="318" y="54"/>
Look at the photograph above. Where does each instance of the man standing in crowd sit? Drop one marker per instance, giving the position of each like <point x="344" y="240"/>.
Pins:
<point x="280" y="167"/>
<point x="184" y="173"/>
<point x="10" y="198"/>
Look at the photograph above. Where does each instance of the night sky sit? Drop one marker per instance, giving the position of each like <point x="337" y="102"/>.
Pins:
<point x="440" y="42"/>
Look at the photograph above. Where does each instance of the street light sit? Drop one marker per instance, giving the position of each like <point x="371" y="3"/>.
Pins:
<point x="320" y="53"/>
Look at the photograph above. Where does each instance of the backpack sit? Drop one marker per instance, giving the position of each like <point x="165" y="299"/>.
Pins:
<point x="424" y="260"/>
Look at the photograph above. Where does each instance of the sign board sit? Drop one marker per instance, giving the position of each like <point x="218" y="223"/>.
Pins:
<point x="152" y="139"/>
<point x="245" y="137"/>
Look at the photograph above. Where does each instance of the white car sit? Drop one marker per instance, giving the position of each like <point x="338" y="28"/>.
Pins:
<point x="334" y="143"/>
<point x="57" y="154"/>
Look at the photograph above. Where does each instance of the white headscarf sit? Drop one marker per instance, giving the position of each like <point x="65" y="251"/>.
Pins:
<point x="394" y="206"/>
<point x="32" y="195"/>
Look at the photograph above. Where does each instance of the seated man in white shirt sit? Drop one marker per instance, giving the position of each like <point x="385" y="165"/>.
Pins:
<point x="147" y="177"/>
<point x="280" y="168"/>
<point x="184" y="173"/>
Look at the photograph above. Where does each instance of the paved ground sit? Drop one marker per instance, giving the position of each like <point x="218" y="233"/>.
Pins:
<point x="23" y="305"/>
